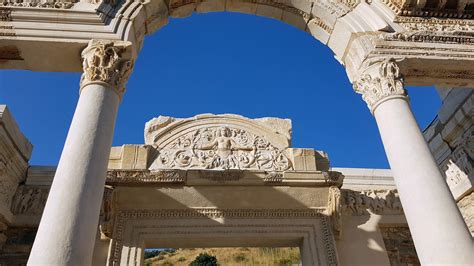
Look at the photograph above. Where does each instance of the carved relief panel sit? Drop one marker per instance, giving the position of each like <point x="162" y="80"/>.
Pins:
<point x="220" y="142"/>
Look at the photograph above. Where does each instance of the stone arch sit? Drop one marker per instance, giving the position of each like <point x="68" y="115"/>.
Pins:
<point x="333" y="23"/>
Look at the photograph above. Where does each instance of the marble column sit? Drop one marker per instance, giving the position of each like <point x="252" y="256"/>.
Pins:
<point x="437" y="227"/>
<point x="68" y="227"/>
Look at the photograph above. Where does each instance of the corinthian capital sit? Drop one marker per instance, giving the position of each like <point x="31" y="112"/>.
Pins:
<point x="380" y="82"/>
<point x="107" y="62"/>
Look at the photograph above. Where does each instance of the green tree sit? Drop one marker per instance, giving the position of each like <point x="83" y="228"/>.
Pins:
<point x="204" y="259"/>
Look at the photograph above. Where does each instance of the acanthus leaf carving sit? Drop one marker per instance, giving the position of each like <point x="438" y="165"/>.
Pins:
<point x="221" y="148"/>
<point x="107" y="62"/>
<point x="383" y="83"/>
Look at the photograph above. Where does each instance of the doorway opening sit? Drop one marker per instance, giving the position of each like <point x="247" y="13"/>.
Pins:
<point x="232" y="256"/>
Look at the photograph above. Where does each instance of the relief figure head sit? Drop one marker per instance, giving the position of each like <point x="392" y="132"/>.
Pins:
<point x="225" y="132"/>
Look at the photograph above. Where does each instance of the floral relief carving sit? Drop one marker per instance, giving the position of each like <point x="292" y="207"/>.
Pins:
<point x="377" y="201"/>
<point x="29" y="200"/>
<point x="387" y="81"/>
<point x="39" y="3"/>
<point x="221" y="148"/>
<point x="104" y="61"/>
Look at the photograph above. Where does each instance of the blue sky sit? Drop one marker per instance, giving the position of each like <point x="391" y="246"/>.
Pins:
<point x="220" y="63"/>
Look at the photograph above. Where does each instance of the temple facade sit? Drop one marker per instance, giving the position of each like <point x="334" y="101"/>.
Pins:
<point x="225" y="181"/>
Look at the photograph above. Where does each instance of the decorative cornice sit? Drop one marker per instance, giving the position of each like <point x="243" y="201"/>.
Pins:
<point x="380" y="82"/>
<point x="107" y="62"/>
<point x="127" y="177"/>
<point x="214" y="213"/>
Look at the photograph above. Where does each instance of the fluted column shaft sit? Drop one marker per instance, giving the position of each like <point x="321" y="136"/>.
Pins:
<point x="68" y="227"/>
<point x="437" y="227"/>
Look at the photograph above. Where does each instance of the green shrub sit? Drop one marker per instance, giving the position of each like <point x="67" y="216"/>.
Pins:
<point x="151" y="253"/>
<point x="204" y="259"/>
<point x="166" y="263"/>
<point x="284" y="262"/>
<point x="181" y="259"/>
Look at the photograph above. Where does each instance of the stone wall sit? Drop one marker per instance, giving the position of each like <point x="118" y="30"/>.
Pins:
<point x="399" y="245"/>
<point x="451" y="139"/>
<point x="466" y="205"/>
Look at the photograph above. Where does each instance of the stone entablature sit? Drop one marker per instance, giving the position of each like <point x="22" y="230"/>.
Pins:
<point x="357" y="31"/>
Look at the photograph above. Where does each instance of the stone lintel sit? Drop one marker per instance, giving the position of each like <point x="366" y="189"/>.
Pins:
<point x="197" y="177"/>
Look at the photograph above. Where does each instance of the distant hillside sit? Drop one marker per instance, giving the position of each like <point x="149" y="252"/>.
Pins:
<point x="229" y="256"/>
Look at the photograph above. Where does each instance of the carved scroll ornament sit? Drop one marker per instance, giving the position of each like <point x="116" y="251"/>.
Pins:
<point x="221" y="148"/>
<point x="383" y="83"/>
<point x="106" y="61"/>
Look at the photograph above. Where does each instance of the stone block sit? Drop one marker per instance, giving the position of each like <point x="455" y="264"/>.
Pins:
<point x="439" y="148"/>
<point x="129" y="157"/>
<point x="322" y="161"/>
<point x="241" y="7"/>
<point x="269" y="11"/>
<point x="466" y="206"/>
<point x="211" y="6"/>
<point x="432" y="130"/>
<point x="156" y="15"/>
<point x="294" y="19"/>
<point x="315" y="29"/>
<point x="40" y="175"/>
<point x="304" y="159"/>
<point x="9" y="125"/>
<point x="453" y="101"/>
<point x="181" y="9"/>
<point x="456" y="126"/>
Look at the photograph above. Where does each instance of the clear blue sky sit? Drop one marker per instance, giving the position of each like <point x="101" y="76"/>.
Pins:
<point x="220" y="63"/>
